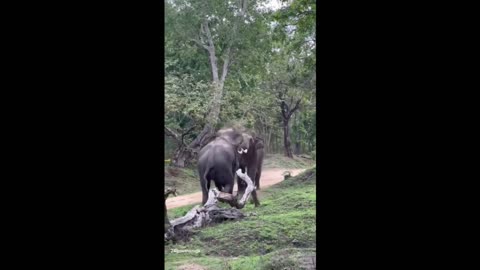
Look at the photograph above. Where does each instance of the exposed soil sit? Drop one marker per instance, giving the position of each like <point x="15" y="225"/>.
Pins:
<point x="269" y="177"/>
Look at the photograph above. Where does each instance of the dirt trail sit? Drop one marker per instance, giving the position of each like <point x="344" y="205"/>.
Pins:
<point x="269" y="177"/>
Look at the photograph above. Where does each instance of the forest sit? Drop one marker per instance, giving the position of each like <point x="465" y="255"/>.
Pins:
<point x="240" y="62"/>
<point x="249" y="65"/>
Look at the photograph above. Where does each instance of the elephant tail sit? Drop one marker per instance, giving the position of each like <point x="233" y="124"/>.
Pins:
<point x="205" y="179"/>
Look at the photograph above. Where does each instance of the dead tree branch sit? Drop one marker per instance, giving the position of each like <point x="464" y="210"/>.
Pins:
<point x="171" y="133"/>
<point x="210" y="213"/>
<point x="179" y="137"/>
<point x="200" y="44"/>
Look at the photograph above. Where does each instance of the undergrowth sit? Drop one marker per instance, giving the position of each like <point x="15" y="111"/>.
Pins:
<point x="282" y="231"/>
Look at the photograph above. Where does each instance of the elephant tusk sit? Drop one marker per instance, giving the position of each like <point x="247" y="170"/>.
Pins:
<point x="240" y="151"/>
<point x="245" y="151"/>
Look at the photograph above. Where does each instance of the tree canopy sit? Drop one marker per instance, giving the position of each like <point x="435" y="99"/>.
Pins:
<point x="238" y="62"/>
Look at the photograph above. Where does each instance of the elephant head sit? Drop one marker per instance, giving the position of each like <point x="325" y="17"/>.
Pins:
<point x="249" y="143"/>
<point x="243" y="143"/>
<point x="232" y="136"/>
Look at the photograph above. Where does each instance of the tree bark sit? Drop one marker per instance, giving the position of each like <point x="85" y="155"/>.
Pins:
<point x="287" y="112"/>
<point x="297" y="148"/>
<point x="286" y="139"/>
<point x="182" y="151"/>
<point x="184" y="155"/>
<point x="298" y="136"/>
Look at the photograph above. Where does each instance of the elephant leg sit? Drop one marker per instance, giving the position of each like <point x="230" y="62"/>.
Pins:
<point x="255" y="198"/>
<point x="205" y="189"/>
<point x="257" y="179"/>
<point x="224" y="180"/>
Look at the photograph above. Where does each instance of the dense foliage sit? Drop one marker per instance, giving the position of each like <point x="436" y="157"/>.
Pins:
<point x="261" y="75"/>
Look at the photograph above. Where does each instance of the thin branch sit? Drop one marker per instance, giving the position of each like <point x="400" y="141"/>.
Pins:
<point x="186" y="133"/>
<point x="285" y="110"/>
<point x="225" y="65"/>
<point x="206" y="30"/>
<point x="172" y="134"/>
<point x="295" y="108"/>
<point x="200" y="44"/>
<point x="202" y="33"/>
<point x="211" y="50"/>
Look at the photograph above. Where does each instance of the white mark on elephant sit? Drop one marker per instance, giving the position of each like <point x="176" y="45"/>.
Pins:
<point x="241" y="151"/>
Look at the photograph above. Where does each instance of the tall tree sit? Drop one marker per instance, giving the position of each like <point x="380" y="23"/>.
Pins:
<point x="287" y="83"/>
<point x="216" y="27"/>
<point x="228" y="61"/>
<point x="294" y="73"/>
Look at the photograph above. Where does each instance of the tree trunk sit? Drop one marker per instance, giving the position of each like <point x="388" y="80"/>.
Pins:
<point x="286" y="138"/>
<point x="206" y="42"/>
<point x="274" y="145"/>
<point x="297" y="135"/>
<point x="184" y="155"/>
<point x="287" y="111"/>
<point x="297" y="148"/>
<point x="268" y="141"/>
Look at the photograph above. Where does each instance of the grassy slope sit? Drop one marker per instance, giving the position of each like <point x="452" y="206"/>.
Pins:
<point x="281" y="161"/>
<point x="186" y="179"/>
<point x="283" y="229"/>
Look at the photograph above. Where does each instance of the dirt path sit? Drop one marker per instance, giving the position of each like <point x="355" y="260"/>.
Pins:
<point x="269" y="177"/>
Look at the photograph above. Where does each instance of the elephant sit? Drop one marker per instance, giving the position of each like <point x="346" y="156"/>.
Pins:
<point x="219" y="161"/>
<point x="260" y="155"/>
<point x="251" y="153"/>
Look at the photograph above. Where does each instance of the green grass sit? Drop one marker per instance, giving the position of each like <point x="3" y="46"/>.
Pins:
<point x="281" y="231"/>
<point x="185" y="180"/>
<point x="281" y="161"/>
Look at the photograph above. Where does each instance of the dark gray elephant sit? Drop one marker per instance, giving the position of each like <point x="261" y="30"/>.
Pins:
<point x="251" y="153"/>
<point x="260" y="155"/>
<point x="218" y="161"/>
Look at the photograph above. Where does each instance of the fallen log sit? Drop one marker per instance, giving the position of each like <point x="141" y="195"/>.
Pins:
<point x="198" y="217"/>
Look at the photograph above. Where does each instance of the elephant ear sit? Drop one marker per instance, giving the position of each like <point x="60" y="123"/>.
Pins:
<point x="236" y="139"/>
<point x="259" y="143"/>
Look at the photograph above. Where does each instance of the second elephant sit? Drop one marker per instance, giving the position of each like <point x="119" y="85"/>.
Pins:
<point x="251" y="154"/>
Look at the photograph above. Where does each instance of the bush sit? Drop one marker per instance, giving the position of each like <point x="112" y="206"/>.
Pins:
<point x="280" y="262"/>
